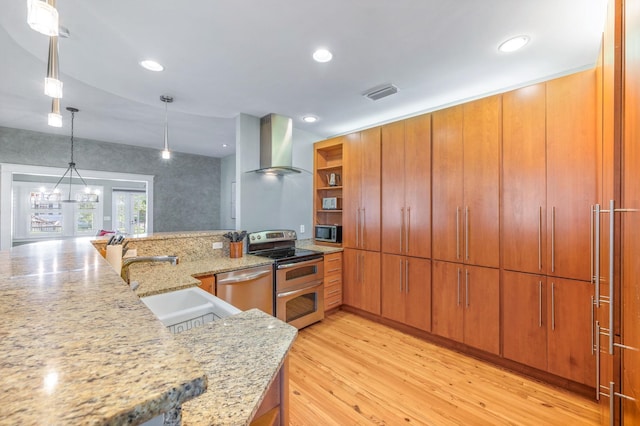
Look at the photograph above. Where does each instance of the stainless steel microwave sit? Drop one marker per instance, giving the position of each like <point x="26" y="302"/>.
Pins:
<point x="328" y="233"/>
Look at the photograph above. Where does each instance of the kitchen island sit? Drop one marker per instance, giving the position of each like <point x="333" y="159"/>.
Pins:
<point x="77" y="346"/>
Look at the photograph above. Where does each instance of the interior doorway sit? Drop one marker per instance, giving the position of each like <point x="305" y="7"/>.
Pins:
<point x="129" y="211"/>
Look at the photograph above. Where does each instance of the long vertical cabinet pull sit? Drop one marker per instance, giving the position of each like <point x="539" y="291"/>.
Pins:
<point x="363" y="226"/>
<point x="466" y="288"/>
<point x="553" y="306"/>
<point x="597" y="349"/>
<point x="596" y="253"/>
<point x="592" y="323"/>
<point x="540" y="239"/>
<point x="466" y="233"/>
<point x="358" y="228"/>
<point x="400" y="264"/>
<point x="553" y="239"/>
<point x="458" y="232"/>
<point x="459" y="286"/>
<point x="611" y="254"/>
<point x="401" y="227"/>
<point x="540" y="303"/>
<point x="408" y="230"/>
<point x="406" y="276"/>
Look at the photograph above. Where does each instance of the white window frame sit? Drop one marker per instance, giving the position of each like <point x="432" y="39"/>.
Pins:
<point x="7" y="170"/>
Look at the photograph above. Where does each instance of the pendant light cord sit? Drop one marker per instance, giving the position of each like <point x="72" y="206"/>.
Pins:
<point x="73" y="114"/>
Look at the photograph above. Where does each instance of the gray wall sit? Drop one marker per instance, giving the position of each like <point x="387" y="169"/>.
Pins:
<point x="228" y="175"/>
<point x="186" y="187"/>
<point x="273" y="202"/>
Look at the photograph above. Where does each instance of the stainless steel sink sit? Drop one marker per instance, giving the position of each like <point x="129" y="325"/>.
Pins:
<point x="185" y="309"/>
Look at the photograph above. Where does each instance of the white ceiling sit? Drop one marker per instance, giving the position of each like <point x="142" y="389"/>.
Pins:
<point x="227" y="57"/>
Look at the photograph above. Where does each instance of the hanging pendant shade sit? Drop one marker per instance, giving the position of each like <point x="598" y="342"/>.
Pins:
<point x="55" y="119"/>
<point x="52" y="84"/>
<point x="166" y="154"/>
<point x="42" y="16"/>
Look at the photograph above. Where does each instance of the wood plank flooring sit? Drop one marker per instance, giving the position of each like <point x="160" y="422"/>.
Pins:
<point x="348" y="370"/>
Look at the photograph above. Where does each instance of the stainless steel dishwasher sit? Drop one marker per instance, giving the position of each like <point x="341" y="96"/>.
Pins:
<point x="247" y="288"/>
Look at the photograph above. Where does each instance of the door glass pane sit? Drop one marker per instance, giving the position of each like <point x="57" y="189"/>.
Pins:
<point x="46" y="223"/>
<point x="301" y="306"/>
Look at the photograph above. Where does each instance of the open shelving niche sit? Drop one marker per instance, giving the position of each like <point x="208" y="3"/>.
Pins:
<point x="328" y="159"/>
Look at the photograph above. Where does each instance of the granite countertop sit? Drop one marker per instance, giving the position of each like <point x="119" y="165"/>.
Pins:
<point x="310" y="245"/>
<point x="156" y="278"/>
<point x="241" y="355"/>
<point x="78" y="347"/>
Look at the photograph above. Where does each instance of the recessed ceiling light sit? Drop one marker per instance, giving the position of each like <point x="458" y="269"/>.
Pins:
<point x="514" y="43"/>
<point x="151" y="65"/>
<point x="322" y="55"/>
<point x="309" y="119"/>
<point x="224" y="145"/>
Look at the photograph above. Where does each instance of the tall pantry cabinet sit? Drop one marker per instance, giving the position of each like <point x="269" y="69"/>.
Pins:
<point x="406" y="221"/>
<point x="361" y="220"/>
<point x="465" y="228"/>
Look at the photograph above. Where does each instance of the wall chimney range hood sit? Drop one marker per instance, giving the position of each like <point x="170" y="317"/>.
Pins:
<point x="276" y="145"/>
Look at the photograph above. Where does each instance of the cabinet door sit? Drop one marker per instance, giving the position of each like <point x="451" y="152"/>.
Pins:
<point x="482" y="308"/>
<point x="571" y="173"/>
<point x="393" y="188"/>
<point x="524" y="324"/>
<point x="481" y="132"/>
<point x="393" y="288"/>
<point x="371" y="281"/>
<point x="351" y="182"/>
<point x="524" y="189"/>
<point x="569" y="332"/>
<point x="417" y="186"/>
<point x="446" y="308"/>
<point x="447" y="184"/>
<point x="370" y="189"/>
<point x="417" y="287"/>
<point x="208" y="283"/>
<point x="351" y="286"/>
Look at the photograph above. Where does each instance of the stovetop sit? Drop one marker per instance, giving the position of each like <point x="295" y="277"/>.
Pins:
<point x="278" y="245"/>
<point x="287" y="253"/>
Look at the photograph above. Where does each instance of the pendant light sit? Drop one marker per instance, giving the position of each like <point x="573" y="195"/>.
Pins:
<point x="55" y="119"/>
<point x="166" y="154"/>
<point x="72" y="164"/>
<point x="42" y="16"/>
<point x="52" y="85"/>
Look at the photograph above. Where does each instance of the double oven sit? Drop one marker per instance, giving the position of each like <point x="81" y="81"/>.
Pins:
<point x="298" y="276"/>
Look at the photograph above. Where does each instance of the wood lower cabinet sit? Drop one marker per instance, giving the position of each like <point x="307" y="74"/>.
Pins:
<point x="361" y="287"/>
<point x="406" y="187"/>
<point x="466" y="304"/>
<point x="332" y="281"/>
<point x="406" y="290"/>
<point x="208" y="283"/>
<point x="274" y="409"/>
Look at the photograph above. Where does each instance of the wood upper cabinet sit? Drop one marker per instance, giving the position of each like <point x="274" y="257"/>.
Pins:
<point x="466" y="181"/>
<point x="524" y="313"/>
<point x="571" y="173"/>
<point x="447" y="193"/>
<point x="406" y="290"/>
<point x="569" y="330"/>
<point x="524" y="190"/>
<point x="406" y="187"/>
<point x="361" y="188"/>
<point x="361" y="287"/>
<point x="466" y="304"/>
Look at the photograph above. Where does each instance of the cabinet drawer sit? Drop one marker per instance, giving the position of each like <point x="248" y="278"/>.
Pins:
<point x="333" y="301"/>
<point x="332" y="263"/>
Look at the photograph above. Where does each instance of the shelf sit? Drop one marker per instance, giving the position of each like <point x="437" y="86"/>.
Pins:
<point x="327" y="168"/>
<point x="329" y="211"/>
<point x="328" y="188"/>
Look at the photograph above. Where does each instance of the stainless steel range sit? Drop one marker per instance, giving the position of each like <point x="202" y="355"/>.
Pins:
<point x="298" y="276"/>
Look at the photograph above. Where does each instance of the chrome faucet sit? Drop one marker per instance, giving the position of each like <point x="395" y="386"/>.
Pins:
<point x="127" y="261"/>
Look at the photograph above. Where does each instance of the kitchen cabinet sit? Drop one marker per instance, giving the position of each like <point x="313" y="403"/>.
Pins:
<point x="274" y="408"/>
<point x="332" y="281"/>
<point x="571" y="173"/>
<point x="466" y="181"/>
<point x="327" y="163"/>
<point x="406" y="290"/>
<point x="466" y="304"/>
<point x="362" y="280"/>
<point x="361" y="186"/>
<point x="524" y="190"/>
<point x="208" y="283"/>
<point x="406" y="187"/>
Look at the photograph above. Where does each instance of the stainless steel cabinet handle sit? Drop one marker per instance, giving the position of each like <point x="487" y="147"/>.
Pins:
<point x="466" y="232"/>
<point x="540" y="303"/>
<point x="553" y="239"/>
<point x="334" y="291"/>
<point x="592" y="315"/>
<point x="358" y="228"/>
<point x="401" y="226"/>
<point x="596" y="254"/>
<point x="362" y="270"/>
<point x="400" y="264"/>
<point x="242" y="278"/>
<point x="459" y="286"/>
<point x="363" y="225"/>
<point x="406" y="276"/>
<point x="611" y="260"/>
<point x="301" y="290"/>
<point x="458" y="232"/>
<point x="553" y="307"/>
<point x="408" y="230"/>
<point x="597" y="361"/>
<point x="335" y="280"/>
<point x="358" y="268"/>
<point x="540" y="239"/>
<point x="466" y="288"/>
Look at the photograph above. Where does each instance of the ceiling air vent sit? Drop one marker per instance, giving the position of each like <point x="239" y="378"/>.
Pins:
<point x="381" y="92"/>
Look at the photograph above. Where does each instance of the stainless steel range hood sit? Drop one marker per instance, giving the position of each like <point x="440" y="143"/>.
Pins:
<point x="276" y="145"/>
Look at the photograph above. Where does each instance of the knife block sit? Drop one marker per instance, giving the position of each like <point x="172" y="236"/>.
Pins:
<point x="114" y="257"/>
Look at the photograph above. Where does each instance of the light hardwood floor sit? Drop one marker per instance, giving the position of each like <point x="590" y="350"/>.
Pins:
<point x="351" y="371"/>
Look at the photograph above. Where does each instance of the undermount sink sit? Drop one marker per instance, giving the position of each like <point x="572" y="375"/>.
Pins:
<point x="183" y="310"/>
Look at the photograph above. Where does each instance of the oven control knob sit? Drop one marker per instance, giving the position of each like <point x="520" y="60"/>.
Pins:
<point x="258" y="236"/>
<point x="253" y="237"/>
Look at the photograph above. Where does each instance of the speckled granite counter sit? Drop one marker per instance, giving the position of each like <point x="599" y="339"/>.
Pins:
<point x="78" y="347"/>
<point x="241" y="355"/>
<point x="309" y="244"/>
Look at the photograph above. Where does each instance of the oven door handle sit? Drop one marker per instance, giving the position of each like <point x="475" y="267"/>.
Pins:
<point x="295" y="264"/>
<point x="241" y="278"/>
<point x="301" y="290"/>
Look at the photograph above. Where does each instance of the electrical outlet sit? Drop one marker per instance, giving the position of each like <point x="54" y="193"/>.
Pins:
<point x="217" y="245"/>
<point x="302" y="229"/>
